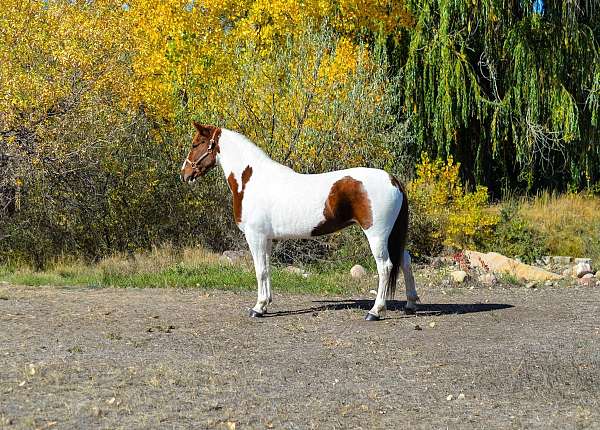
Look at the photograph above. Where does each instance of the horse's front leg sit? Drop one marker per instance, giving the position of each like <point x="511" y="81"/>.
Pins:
<point x="260" y="247"/>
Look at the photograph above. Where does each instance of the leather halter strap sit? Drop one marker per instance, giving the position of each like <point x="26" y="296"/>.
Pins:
<point x="209" y="150"/>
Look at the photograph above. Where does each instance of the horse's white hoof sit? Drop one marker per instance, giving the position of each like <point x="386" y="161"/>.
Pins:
<point x="254" y="314"/>
<point x="371" y="317"/>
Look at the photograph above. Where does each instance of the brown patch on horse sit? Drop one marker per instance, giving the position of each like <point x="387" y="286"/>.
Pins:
<point x="346" y="204"/>
<point x="238" y="196"/>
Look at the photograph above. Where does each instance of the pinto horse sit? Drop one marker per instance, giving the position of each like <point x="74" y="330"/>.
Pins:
<point x="271" y="201"/>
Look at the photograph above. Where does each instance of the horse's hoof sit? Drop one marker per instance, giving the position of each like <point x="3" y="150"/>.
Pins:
<point x="371" y="317"/>
<point x="410" y="311"/>
<point x="254" y="314"/>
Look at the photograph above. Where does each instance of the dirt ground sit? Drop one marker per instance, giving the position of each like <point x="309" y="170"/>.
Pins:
<point x="167" y="358"/>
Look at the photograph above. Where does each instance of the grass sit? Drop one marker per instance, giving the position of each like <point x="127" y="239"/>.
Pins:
<point x="570" y="223"/>
<point x="190" y="268"/>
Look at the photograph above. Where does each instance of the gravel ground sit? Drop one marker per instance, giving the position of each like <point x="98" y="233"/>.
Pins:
<point x="168" y="358"/>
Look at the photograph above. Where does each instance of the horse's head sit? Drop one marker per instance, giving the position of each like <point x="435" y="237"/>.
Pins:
<point x="203" y="155"/>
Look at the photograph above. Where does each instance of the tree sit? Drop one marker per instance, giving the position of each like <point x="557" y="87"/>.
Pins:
<point x="508" y="88"/>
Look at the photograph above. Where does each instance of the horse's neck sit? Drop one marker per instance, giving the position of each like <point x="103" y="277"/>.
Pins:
<point x="236" y="153"/>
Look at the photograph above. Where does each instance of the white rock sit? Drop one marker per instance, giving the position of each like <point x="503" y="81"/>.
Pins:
<point x="548" y="283"/>
<point x="488" y="279"/>
<point x="560" y="259"/>
<point x="458" y="276"/>
<point x="450" y="397"/>
<point x="358" y="271"/>
<point x="461" y="396"/>
<point x="581" y="269"/>
<point x="546" y="259"/>
<point x="531" y="285"/>
<point x="587" y="276"/>
<point x="235" y="256"/>
<point x="374" y="292"/>
<point x="293" y="269"/>
<point x="583" y="260"/>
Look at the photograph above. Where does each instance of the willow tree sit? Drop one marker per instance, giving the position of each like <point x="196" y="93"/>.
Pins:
<point x="510" y="88"/>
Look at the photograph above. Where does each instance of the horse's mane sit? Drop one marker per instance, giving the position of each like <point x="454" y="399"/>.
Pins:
<point x="246" y="146"/>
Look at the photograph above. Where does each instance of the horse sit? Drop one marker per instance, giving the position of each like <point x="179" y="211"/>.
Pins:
<point x="271" y="201"/>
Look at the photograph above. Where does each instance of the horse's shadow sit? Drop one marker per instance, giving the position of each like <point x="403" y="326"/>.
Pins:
<point x="424" y="309"/>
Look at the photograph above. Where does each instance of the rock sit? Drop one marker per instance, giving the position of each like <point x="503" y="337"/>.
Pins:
<point x="293" y="269"/>
<point x="586" y="282"/>
<point x="560" y="259"/>
<point x="432" y="324"/>
<point x="583" y="260"/>
<point x="499" y="263"/>
<point x="358" y="271"/>
<point x="588" y="275"/>
<point x="374" y="292"/>
<point x="546" y="259"/>
<point x="531" y="285"/>
<point x="450" y="397"/>
<point x="461" y="396"/>
<point x="488" y="279"/>
<point x="548" y="283"/>
<point x="458" y="276"/>
<point x="418" y="327"/>
<point x="581" y="269"/>
<point x="4" y="284"/>
<point x="235" y="256"/>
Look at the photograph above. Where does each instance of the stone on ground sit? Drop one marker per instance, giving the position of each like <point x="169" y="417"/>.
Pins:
<point x="358" y="271"/>
<point x="587" y="282"/>
<point x="581" y="269"/>
<point x="235" y="256"/>
<point x="293" y="269"/>
<point x="488" y="279"/>
<point x="458" y="276"/>
<point x="499" y="263"/>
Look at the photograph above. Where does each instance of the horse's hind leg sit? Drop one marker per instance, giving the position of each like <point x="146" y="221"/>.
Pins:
<point x="260" y="247"/>
<point x="409" y="280"/>
<point x="384" y="268"/>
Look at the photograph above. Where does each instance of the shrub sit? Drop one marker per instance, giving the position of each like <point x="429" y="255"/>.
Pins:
<point x="443" y="213"/>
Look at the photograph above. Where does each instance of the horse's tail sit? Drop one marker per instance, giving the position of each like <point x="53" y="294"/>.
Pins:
<point x="397" y="239"/>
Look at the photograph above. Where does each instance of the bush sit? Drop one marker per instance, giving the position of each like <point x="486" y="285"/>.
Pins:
<point x="443" y="213"/>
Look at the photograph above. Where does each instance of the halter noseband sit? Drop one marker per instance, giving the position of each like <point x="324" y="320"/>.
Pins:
<point x="211" y="144"/>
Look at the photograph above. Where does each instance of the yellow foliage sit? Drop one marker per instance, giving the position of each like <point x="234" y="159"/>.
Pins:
<point x="459" y="218"/>
<point x="182" y="44"/>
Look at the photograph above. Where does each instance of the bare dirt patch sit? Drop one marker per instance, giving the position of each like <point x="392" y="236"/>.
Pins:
<point x="166" y="358"/>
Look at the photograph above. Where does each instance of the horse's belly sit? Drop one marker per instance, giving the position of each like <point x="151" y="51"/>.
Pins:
<point x="296" y="220"/>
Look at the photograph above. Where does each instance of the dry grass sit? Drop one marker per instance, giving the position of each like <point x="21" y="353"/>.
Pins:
<point x="571" y="222"/>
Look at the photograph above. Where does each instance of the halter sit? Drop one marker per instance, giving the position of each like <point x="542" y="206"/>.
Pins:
<point x="209" y="150"/>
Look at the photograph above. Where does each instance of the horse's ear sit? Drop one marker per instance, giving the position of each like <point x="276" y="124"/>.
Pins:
<point x="197" y="125"/>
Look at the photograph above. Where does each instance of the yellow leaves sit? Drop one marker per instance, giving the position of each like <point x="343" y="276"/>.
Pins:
<point x="462" y="218"/>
